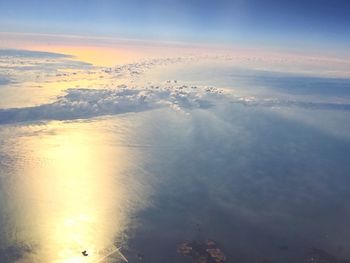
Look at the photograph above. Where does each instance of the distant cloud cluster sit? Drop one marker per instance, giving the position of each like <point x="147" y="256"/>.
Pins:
<point x="24" y="65"/>
<point x="252" y="101"/>
<point x="87" y="103"/>
<point x="30" y="54"/>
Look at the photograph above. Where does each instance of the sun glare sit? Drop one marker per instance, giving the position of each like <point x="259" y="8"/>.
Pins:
<point x="72" y="204"/>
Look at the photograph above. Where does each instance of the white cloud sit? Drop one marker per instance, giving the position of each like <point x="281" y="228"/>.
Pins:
<point x="87" y="103"/>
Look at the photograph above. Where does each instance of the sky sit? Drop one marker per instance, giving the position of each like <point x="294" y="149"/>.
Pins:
<point x="272" y="23"/>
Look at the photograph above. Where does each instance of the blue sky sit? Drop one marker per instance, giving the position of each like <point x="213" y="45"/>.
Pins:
<point x="319" y="23"/>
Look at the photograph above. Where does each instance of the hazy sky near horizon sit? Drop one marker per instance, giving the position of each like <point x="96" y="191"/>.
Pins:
<point x="274" y="23"/>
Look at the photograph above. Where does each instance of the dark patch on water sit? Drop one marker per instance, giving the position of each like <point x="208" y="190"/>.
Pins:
<point x="202" y="252"/>
<point x="13" y="253"/>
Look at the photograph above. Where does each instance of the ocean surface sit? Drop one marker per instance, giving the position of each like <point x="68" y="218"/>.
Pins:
<point x="129" y="162"/>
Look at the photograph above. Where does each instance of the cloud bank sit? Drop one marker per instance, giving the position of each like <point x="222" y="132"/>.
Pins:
<point x="88" y="103"/>
<point x="105" y="98"/>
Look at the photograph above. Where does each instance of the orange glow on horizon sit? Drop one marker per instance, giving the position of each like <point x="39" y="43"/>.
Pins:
<point x="98" y="56"/>
<point x="94" y="50"/>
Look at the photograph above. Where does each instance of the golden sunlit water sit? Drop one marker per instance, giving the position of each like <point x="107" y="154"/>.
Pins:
<point x="73" y="191"/>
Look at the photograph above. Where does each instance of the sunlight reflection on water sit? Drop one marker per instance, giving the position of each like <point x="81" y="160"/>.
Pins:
<point x="72" y="191"/>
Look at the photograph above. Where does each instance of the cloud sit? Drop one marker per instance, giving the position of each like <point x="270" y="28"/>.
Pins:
<point x="23" y="60"/>
<point x="253" y="101"/>
<point x="107" y="99"/>
<point x="30" y="54"/>
<point x="88" y="103"/>
<point x="85" y="103"/>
